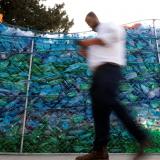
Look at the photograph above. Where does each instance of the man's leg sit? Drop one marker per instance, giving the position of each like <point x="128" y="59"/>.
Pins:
<point x="102" y="126"/>
<point x="133" y="129"/>
<point x="101" y="114"/>
<point x="101" y="111"/>
<point x="106" y="90"/>
<point x="111" y="90"/>
<point x="129" y="123"/>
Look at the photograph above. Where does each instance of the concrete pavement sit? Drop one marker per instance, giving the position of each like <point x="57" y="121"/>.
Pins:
<point x="70" y="157"/>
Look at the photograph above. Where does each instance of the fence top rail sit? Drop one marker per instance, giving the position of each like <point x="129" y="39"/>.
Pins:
<point x="141" y="21"/>
<point x="40" y="37"/>
<point x="40" y="34"/>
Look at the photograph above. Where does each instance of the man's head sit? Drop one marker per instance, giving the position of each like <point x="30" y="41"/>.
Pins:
<point x="92" y="20"/>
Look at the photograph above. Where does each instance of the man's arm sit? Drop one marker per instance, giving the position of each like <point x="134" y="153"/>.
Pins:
<point x="89" y="42"/>
<point x="86" y="43"/>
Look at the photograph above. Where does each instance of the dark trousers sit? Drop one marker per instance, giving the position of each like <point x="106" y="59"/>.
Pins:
<point x="104" y="92"/>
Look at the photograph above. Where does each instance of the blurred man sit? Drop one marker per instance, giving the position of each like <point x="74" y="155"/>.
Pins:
<point x="106" y="56"/>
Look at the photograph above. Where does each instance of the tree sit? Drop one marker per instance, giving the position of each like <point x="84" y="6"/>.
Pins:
<point x="33" y="15"/>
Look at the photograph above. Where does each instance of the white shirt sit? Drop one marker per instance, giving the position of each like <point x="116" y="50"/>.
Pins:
<point x="114" y="51"/>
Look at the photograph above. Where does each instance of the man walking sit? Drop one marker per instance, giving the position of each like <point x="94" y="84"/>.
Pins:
<point x="106" y="56"/>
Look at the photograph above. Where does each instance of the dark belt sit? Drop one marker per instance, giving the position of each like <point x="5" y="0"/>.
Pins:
<point x="109" y="63"/>
<point x="114" y="64"/>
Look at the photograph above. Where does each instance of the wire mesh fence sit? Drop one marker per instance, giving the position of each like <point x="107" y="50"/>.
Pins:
<point x="13" y="80"/>
<point x="45" y="104"/>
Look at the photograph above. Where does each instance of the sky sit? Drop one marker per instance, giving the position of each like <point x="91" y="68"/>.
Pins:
<point x="118" y="11"/>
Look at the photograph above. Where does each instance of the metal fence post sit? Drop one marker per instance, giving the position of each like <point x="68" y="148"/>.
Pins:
<point x="156" y="40"/>
<point x="27" y="96"/>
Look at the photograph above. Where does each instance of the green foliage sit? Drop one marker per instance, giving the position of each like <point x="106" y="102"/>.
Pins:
<point x="33" y="15"/>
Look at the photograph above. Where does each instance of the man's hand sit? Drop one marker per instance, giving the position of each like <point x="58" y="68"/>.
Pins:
<point x="89" y="42"/>
<point x="83" y="53"/>
<point x="81" y="43"/>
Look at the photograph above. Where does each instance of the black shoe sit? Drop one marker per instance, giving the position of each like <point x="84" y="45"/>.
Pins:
<point x="95" y="155"/>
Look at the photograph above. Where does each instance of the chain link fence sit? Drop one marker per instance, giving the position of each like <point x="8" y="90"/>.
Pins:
<point x="44" y="99"/>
